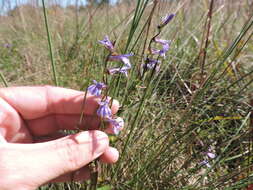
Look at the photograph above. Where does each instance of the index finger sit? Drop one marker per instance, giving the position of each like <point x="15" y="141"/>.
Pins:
<point x="40" y="101"/>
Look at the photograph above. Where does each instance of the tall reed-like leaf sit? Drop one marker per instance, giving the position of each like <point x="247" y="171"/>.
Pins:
<point x="50" y="45"/>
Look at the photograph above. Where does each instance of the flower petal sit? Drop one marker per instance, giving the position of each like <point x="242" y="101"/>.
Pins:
<point x="166" y="20"/>
<point x="104" y="110"/>
<point x="107" y="43"/>
<point x="96" y="88"/>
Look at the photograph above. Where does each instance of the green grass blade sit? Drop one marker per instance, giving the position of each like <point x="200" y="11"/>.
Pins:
<point x="50" y="45"/>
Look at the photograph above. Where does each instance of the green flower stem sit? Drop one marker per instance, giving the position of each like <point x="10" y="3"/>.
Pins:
<point x="50" y="44"/>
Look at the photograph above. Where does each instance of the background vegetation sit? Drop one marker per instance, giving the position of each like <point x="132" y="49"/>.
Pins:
<point x="199" y="101"/>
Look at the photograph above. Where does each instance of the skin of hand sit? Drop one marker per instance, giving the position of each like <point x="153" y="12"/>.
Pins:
<point x="33" y="148"/>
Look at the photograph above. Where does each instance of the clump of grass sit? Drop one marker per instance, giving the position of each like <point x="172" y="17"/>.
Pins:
<point x="198" y="102"/>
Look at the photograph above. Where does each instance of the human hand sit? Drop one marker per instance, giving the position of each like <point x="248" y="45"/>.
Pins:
<point x="33" y="150"/>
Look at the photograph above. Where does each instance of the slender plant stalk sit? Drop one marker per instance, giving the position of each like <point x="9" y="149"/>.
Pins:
<point x="82" y="110"/>
<point x="77" y="20"/>
<point x="93" y="165"/>
<point x="50" y="44"/>
<point x="148" y="29"/>
<point x="209" y="18"/>
<point x="94" y="174"/>
<point x="3" y="79"/>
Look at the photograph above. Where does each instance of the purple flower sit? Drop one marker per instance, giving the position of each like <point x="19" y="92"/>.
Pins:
<point x="150" y="63"/>
<point x="95" y="88"/>
<point x="117" y="124"/>
<point x="7" y="45"/>
<point x="166" y="20"/>
<point x="122" y="70"/>
<point x="165" y="47"/>
<point x="210" y="155"/>
<point x="107" y="43"/>
<point x="205" y="162"/>
<point x="123" y="58"/>
<point x="104" y="110"/>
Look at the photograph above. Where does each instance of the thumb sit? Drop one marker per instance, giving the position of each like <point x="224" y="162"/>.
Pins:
<point x="36" y="164"/>
<point x="74" y="151"/>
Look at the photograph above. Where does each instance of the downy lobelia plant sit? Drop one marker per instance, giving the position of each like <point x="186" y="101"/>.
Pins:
<point x="101" y="89"/>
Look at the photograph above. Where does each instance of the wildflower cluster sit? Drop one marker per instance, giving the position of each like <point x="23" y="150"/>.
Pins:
<point x="113" y="56"/>
<point x="151" y="63"/>
<point x="104" y="110"/>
